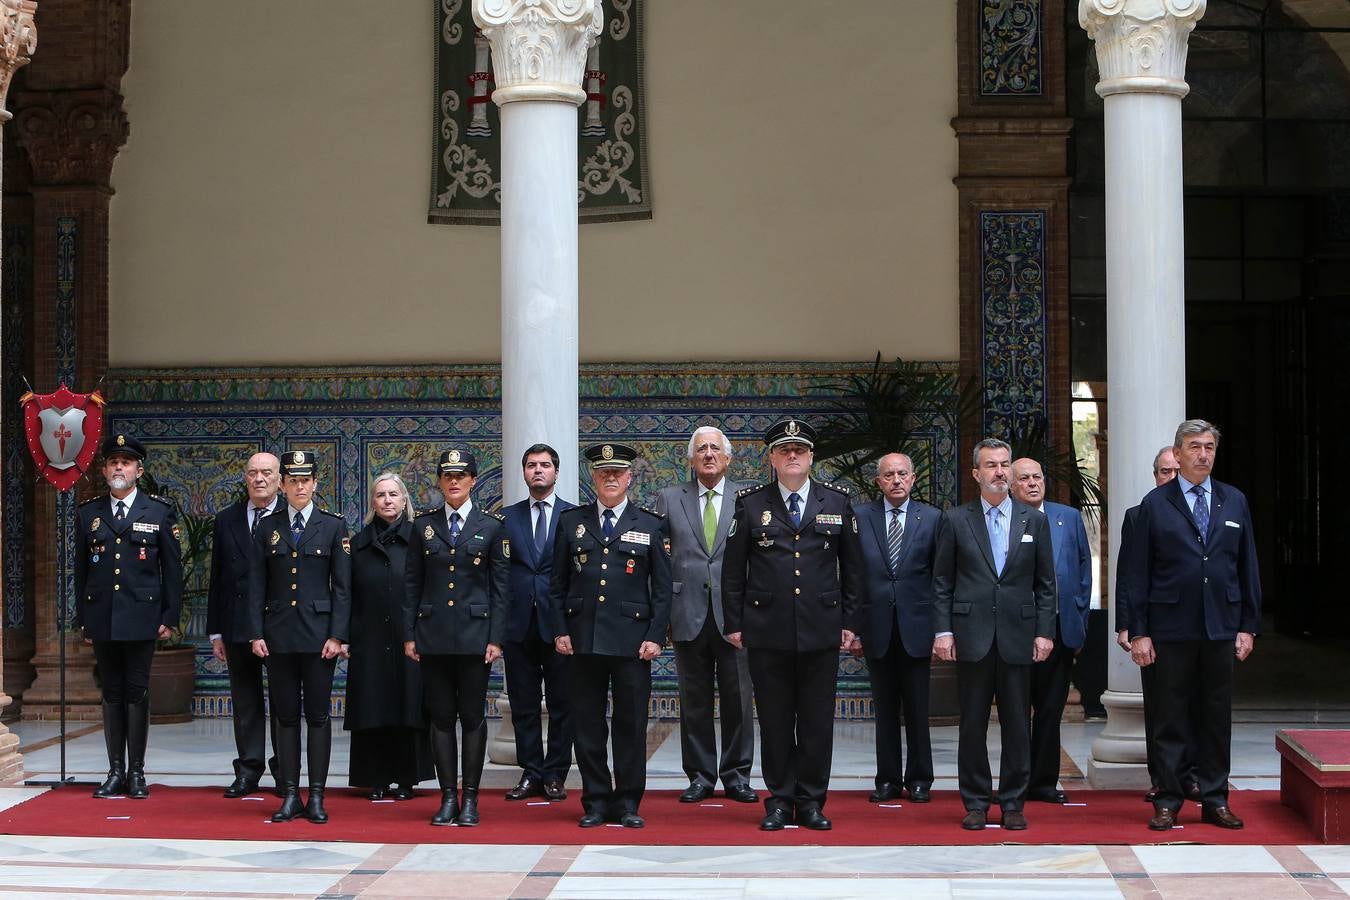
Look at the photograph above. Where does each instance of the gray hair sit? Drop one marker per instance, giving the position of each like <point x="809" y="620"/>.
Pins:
<point x="876" y="466"/>
<point x="989" y="444"/>
<point x="726" y="442"/>
<point x="408" y="512"/>
<point x="1157" y="456"/>
<point x="1193" y="427"/>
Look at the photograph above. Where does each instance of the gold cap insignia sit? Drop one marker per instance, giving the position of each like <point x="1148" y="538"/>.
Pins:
<point x="121" y="440"/>
<point x="429" y="533"/>
<point x="793" y="429"/>
<point x="765" y="517"/>
<point x="454" y="456"/>
<point x="607" y="452"/>
<point x="581" y="531"/>
<point x="298" y="457"/>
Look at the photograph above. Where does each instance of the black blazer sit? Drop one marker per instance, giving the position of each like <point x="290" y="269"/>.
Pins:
<point x="531" y="572"/>
<point x="299" y="596"/>
<point x="128" y="574"/>
<point x="979" y="606"/>
<point x="900" y="598"/>
<point x="232" y="553"/>
<point x="455" y="598"/>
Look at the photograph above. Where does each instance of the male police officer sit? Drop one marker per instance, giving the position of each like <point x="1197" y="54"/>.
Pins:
<point x="611" y="604"/>
<point x="128" y="591"/>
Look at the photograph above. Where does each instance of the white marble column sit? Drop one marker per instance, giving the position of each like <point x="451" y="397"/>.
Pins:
<point x="1141" y="55"/>
<point x="538" y="56"/>
<point x="18" y="40"/>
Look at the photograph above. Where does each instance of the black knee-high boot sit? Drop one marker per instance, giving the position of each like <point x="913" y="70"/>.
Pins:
<point x="443" y="753"/>
<point x="319" y="751"/>
<point x="115" y="737"/>
<point x="138" y="735"/>
<point x="475" y="751"/>
<point x="287" y="747"/>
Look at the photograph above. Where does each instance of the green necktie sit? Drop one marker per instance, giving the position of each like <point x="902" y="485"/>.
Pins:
<point x="709" y="521"/>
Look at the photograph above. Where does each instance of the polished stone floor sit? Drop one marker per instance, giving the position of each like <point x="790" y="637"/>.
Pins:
<point x="198" y="753"/>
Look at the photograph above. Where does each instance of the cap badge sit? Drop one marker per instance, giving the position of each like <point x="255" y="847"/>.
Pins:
<point x="793" y="429"/>
<point x="298" y="458"/>
<point x="121" y="440"/>
<point x="454" y="456"/>
<point x="607" y="452"/>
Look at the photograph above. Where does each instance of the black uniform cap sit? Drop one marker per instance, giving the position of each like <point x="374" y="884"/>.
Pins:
<point x="611" y="456"/>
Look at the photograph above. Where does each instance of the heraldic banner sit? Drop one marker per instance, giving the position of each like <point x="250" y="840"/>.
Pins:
<point x="612" y="183"/>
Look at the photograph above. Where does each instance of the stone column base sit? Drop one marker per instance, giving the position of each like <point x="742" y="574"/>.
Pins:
<point x="11" y="760"/>
<point x="1119" y="754"/>
<point x="84" y="700"/>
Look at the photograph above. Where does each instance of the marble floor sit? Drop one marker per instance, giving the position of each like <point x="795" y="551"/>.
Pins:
<point x="198" y="753"/>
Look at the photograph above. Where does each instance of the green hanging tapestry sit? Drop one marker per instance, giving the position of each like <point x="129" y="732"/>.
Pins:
<point x="612" y="180"/>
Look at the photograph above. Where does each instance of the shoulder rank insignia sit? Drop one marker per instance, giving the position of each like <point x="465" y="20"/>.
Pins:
<point x="506" y="548"/>
<point x="750" y="490"/>
<point x="429" y="533"/>
<point x="765" y="517"/>
<point x="332" y="513"/>
<point x="646" y="509"/>
<point x="843" y="489"/>
<point x="347" y="546"/>
<point x="275" y="538"/>
<point x="93" y="500"/>
<point x="93" y="526"/>
<point x="498" y="516"/>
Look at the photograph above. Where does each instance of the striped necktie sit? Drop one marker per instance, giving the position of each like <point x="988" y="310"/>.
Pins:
<point x="894" y="532"/>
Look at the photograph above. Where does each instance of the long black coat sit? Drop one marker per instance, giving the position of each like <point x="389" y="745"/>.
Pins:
<point x="384" y="687"/>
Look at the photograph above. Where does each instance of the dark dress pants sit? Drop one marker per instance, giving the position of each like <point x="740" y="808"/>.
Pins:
<point x="794" y="692"/>
<point x="1148" y="685"/>
<point x="977" y="684"/>
<point x="250" y="712"/>
<point x="630" y="680"/>
<point x="1049" y="693"/>
<point x="124" y="669"/>
<point x="1193" y="685"/>
<point x="708" y="661"/>
<point x="900" y="687"/>
<point x="528" y="664"/>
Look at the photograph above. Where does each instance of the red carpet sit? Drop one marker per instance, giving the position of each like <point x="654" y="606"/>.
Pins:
<point x="1110" y="817"/>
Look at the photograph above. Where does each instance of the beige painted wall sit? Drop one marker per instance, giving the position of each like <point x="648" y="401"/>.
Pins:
<point x="271" y="200"/>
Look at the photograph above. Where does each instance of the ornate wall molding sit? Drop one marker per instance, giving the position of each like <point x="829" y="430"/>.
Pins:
<point x="1014" y="334"/>
<point x="1141" y="44"/>
<point x="539" y="47"/>
<point x="18" y="40"/>
<point x="1011" y="48"/>
<point x="72" y="137"/>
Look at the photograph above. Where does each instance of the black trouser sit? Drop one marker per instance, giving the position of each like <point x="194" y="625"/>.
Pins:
<point x="249" y="710"/>
<point x="1148" y="678"/>
<point x="1049" y="693"/>
<point x="528" y="664"/>
<point x="794" y="692"/>
<point x="630" y="679"/>
<point x="1193" y="685"/>
<point x="124" y="669"/>
<point x="900" y="685"/>
<point x="288" y="676"/>
<point x="455" y="687"/>
<point x="708" y="661"/>
<point x="977" y="684"/>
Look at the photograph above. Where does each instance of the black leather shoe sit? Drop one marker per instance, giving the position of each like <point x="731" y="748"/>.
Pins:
<point x="632" y="820"/>
<point x="776" y="820"/>
<point x="137" y="789"/>
<point x="242" y="786"/>
<point x="974" y="820"/>
<point x="1221" y="816"/>
<point x="1049" y="795"/>
<point x="1014" y="820"/>
<point x="403" y="792"/>
<point x="1163" y="819"/>
<point x="696" y="793"/>
<point x="290" y="806"/>
<point x="814" y="819"/>
<point x="1192" y="790"/>
<point x="742" y="793"/>
<point x="468" y="810"/>
<point x="115" y="785"/>
<point x="527" y="788"/>
<point x="449" y="809"/>
<point x="314" y="810"/>
<point x="378" y="793"/>
<point x="555" y="790"/>
<point x="591" y="820"/>
<point x="918" y="793"/>
<point x="884" y="793"/>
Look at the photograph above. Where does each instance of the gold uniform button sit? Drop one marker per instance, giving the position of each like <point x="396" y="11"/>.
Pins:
<point x="606" y="551"/>
<point x="796" y="590"/>
<point x="451" y="585"/>
<point x="294" y="554"/>
<point x="117" y="556"/>
<point x="797" y="572"/>
<point x="602" y="582"/>
<point x="117" y="587"/>
<point x="452" y="568"/>
<point x="797" y="554"/>
<point x="604" y="566"/>
<point x="796" y="537"/>
<point x="449" y="603"/>
<point x="294" y="571"/>
<point x="293" y="587"/>
<point x="117" y="571"/>
<point x="119" y="540"/>
<point x="293" y="603"/>
<point x="452" y="551"/>
<point x="602" y="598"/>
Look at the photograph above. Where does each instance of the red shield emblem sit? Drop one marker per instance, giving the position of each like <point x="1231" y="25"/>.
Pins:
<point x="63" y="430"/>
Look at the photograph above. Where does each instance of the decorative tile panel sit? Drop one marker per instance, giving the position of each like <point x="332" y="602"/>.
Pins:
<point x="67" y="234"/>
<point x="14" y="279"/>
<point x="1014" y="341"/>
<point x="1010" y="48"/>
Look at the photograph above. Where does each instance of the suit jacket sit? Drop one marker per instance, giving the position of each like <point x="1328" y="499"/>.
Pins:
<point x="979" y="606"/>
<point x="232" y="552"/>
<point x="531" y="571"/>
<point x="299" y="594"/>
<point x="787" y="588"/>
<point x="1119" y="603"/>
<point x="1073" y="571"/>
<point x="128" y="574"/>
<point x="1182" y="585"/>
<point x="610" y="595"/>
<point x="455" y="597"/>
<point x="696" y="567"/>
<point x="901" y="597"/>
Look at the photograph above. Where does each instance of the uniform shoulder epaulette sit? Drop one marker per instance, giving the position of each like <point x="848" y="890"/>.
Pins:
<point x="648" y="509"/>
<point x="332" y="512"/>
<point x="436" y="511"/>
<point x="750" y="490"/>
<point x="843" y="489"/>
<point x="165" y="500"/>
<point x="498" y="516"/>
<point x="93" y="500"/>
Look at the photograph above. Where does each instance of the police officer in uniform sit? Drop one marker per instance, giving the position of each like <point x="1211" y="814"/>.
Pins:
<point x="454" y="622"/>
<point x="128" y="592"/>
<point x="611" y="602"/>
<point x="792" y="588"/>
<point x="299" y="612"/>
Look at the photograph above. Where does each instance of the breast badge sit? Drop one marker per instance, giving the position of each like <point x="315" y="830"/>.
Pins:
<point x="581" y="531"/>
<point x="276" y="538"/>
<point x="429" y="533"/>
<point x="93" y="526"/>
<point x="632" y="564"/>
<point x="765" y="517"/>
<point x="764" y="540"/>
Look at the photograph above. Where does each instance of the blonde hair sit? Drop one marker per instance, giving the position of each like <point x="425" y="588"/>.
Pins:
<point x="408" y="512"/>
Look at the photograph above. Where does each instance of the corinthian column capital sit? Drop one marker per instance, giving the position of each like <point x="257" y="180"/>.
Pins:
<point x="1141" y="44"/>
<point x="18" y="40"/>
<point x="539" y="46"/>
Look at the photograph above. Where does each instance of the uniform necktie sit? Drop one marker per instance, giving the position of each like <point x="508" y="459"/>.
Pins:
<point x="709" y="520"/>
<point x="998" y="542"/>
<point x="121" y="511"/>
<point x="894" y="532"/>
<point x="257" y="517"/>
<point x="608" y="525"/>
<point x="540" y="527"/>
<point x="795" y="510"/>
<point x="454" y="528"/>
<point x="1201" y="510"/>
<point x="298" y="527"/>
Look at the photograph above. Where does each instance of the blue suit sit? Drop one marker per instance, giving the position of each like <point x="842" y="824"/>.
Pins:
<point x="1050" y="677"/>
<point x="530" y="657"/>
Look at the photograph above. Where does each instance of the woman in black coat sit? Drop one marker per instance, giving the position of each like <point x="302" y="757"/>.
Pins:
<point x="384" y="687"/>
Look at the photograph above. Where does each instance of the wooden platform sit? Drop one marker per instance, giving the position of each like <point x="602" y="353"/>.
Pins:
<point x="1315" y="779"/>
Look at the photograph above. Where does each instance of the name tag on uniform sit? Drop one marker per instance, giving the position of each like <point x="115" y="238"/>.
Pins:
<point x="1231" y="524"/>
<point x="145" y="526"/>
<point x="830" y="519"/>
<point x="1027" y="539"/>
<point x="636" y="537"/>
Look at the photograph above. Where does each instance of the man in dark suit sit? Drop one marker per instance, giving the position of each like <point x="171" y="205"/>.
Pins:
<point x="792" y="589"/>
<point x="1194" y="594"/>
<point x="531" y="525"/>
<point x="227" y="616"/>
<point x="1050" y="676"/>
<point x="128" y="592"/>
<point x="611" y="602"/>
<point x="899" y="539"/>
<point x="994" y="614"/>
<point x="699" y="514"/>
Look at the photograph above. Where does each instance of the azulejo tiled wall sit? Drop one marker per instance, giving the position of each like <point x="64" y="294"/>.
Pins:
<point x="201" y="425"/>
